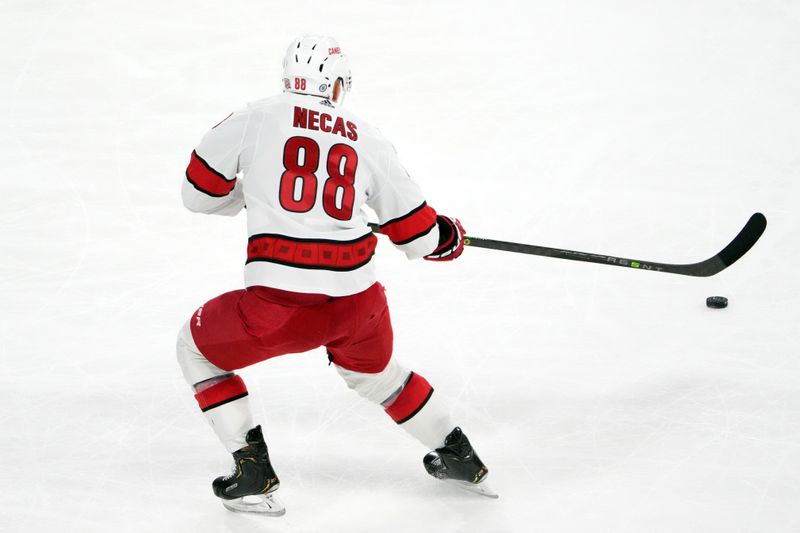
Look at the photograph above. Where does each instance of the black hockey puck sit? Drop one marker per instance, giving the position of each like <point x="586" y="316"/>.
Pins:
<point x="717" y="302"/>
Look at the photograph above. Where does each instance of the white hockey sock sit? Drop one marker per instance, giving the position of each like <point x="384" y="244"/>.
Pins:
<point x="408" y="398"/>
<point x="431" y="424"/>
<point x="226" y="406"/>
<point x="222" y="395"/>
<point x="423" y="414"/>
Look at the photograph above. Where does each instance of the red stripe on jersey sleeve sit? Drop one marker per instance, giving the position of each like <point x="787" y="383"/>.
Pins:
<point x="207" y="180"/>
<point x="411" y="399"/>
<point x="413" y="225"/>
<point x="223" y="392"/>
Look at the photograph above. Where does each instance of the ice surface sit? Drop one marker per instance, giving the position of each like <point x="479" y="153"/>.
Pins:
<point x="602" y="399"/>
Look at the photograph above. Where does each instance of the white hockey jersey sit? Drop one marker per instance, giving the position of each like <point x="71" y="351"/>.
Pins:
<point x="303" y="169"/>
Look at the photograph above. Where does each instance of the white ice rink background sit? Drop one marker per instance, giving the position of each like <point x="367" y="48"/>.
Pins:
<point x="602" y="399"/>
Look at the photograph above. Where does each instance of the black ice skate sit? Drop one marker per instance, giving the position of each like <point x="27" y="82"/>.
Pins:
<point x="456" y="462"/>
<point x="250" y="486"/>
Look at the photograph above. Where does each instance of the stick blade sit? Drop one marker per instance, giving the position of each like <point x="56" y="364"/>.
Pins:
<point x="739" y="246"/>
<point x="745" y="240"/>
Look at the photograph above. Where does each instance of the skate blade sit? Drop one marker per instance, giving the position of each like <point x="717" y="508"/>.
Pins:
<point x="264" y="504"/>
<point x="476" y="488"/>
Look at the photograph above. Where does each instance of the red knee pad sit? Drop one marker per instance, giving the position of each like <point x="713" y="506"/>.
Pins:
<point x="223" y="392"/>
<point x="415" y="394"/>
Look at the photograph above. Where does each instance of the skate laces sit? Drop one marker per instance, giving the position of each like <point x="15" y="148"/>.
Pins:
<point x="233" y="472"/>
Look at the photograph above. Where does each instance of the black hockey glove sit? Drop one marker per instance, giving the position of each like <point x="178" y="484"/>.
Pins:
<point x="451" y="240"/>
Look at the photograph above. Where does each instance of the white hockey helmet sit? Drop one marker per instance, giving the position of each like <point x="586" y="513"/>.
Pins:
<point x="312" y="65"/>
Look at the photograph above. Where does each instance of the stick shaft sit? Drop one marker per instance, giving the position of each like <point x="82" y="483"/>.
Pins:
<point x="739" y="246"/>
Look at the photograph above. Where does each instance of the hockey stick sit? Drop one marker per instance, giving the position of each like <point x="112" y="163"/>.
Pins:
<point x="739" y="246"/>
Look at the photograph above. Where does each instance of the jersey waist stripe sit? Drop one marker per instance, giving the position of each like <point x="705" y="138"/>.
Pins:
<point x="322" y="254"/>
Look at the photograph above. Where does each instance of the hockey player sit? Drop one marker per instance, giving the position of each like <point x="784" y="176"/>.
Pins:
<point x="304" y="167"/>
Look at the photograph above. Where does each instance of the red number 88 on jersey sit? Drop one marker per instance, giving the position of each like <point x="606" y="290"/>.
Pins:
<point x="338" y="193"/>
